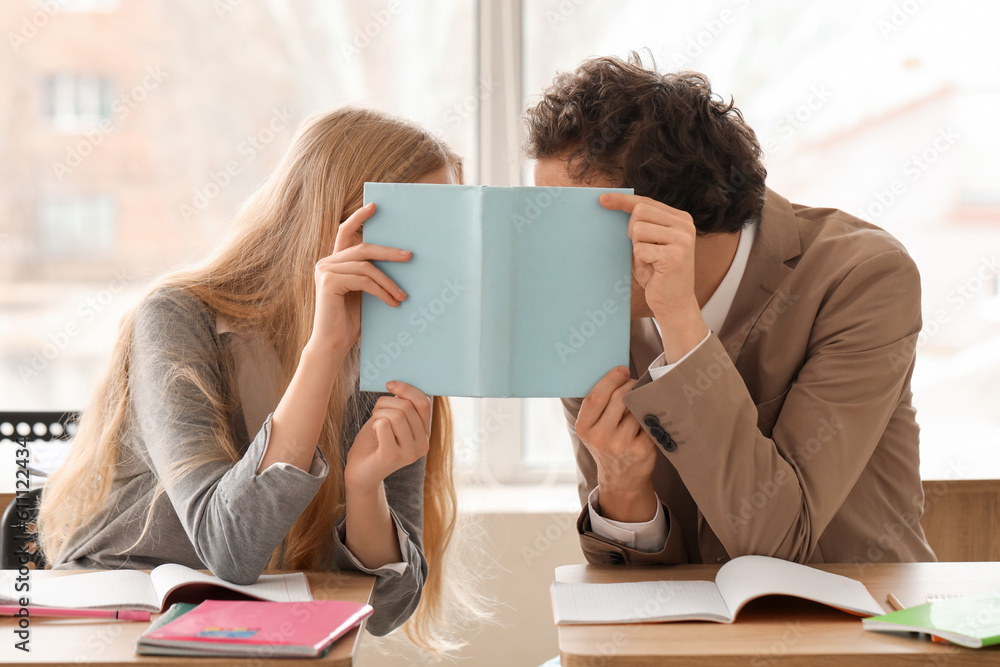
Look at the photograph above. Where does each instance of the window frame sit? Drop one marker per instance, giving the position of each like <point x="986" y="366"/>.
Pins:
<point x="501" y="58"/>
<point x="63" y="97"/>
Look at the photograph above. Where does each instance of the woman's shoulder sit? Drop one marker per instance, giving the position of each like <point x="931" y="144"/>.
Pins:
<point x="171" y="303"/>
<point x="173" y="313"/>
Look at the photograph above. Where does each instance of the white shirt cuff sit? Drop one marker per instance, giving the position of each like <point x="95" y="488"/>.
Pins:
<point x="660" y="367"/>
<point x="648" y="536"/>
<point x="398" y="568"/>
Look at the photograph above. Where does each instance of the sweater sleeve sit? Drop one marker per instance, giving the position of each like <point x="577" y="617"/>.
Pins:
<point x="234" y="517"/>
<point x="398" y="586"/>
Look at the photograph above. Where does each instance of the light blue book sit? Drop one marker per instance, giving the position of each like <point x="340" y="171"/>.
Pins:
<point x="512" y="291"/>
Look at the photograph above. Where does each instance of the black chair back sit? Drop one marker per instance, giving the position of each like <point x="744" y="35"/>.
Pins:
<point x="24" y="426"/>
<point x="17" y="533"/>
<point x="17" y="526"/>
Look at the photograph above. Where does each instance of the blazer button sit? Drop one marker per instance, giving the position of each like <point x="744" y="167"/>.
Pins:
<point x="668" y="444"/>
<point x="658" y="433"/>
<point x="651" y="421"/>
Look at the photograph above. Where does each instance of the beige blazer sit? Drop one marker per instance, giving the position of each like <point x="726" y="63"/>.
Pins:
<point x="790" y="432"/>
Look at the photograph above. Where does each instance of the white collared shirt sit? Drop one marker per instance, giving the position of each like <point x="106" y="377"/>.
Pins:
<point x="650" y="536"/>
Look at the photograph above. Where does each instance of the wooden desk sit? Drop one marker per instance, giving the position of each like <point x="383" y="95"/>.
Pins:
<point x="61" y="642"/>
<point x="777" y="631"/>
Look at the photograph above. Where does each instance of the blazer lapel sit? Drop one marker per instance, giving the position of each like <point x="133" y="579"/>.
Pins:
<point x="776" y="243"/>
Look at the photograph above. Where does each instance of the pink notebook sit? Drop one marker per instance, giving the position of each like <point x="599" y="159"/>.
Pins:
<point x="259" y="629"/>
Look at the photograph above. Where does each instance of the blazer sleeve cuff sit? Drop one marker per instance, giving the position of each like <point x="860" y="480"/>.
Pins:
<point x="660" y="367"/>
<point x="649" y="536"/>
<point x="601" y="550"/>
<point x="666" y="408"/>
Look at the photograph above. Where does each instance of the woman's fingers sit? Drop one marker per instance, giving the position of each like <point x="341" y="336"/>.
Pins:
<point x="372" y="253"/>
<point x="367" y="269"/>
<point x="384" y="434"/>
<point x="405" y="446"/>
<point x="355" y="283"/>
<point x="418" y="429"/>
<point x="400" y="426"/>
<point x="420" y="401"/>
<point x="348" y="230"/>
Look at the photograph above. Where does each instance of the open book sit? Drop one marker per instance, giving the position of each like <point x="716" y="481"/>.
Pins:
<point x="512" y="291"/>
<point x="736" y="583"/>
<point x="132" y="589"/>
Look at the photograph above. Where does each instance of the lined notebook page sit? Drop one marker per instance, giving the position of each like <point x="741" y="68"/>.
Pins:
<point x="630" y="602"/>
<point x="748" y="577"/>
<point x="113" y="589"/>
<point x="274" y="587"/>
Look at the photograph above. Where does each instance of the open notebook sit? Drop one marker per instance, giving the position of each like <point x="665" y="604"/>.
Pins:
<point x="737" y="582"/>
<point x="132" y="589"/>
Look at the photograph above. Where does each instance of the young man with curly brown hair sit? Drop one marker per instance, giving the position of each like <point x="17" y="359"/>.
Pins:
<point x="767" y="407"/>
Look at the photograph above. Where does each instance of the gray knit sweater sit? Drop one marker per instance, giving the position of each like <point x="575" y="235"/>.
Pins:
<point x="223" y="516"/>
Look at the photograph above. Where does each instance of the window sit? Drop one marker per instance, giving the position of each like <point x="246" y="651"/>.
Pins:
<point x="821" y="85"/>
<point x="77" y="102"/>
<point x="228" y="81"/>
<point x="174" y="112"/>
<point x="76" y="224"/>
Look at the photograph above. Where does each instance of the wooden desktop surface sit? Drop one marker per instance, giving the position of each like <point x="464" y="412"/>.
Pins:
<point x="61" y="642"/>
<point x="772" y="632"/>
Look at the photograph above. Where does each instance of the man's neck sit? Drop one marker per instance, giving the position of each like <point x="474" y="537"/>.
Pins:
<point x="713" y="255"/>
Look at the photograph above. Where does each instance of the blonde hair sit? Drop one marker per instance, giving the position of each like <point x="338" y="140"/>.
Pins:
<point x="261" y="280"/>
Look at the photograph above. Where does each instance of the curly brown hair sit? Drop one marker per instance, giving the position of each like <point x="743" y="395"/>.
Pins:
<point x="667" y="136"/>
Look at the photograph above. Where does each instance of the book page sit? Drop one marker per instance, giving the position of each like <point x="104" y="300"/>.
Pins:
<point x="431" y="340"/>
<point x="112" y="589"/>
<point x="640" y="601"/>
<point x="571" y="283"/>
<point x="748" y="577"/>
<point x="274" y="587"/>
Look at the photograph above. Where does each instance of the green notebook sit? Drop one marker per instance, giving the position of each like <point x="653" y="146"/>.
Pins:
<point x="973" y="620"/>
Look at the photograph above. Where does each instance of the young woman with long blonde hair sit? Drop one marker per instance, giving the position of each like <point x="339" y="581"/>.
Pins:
<point x="232" y="390"/>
